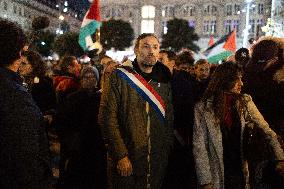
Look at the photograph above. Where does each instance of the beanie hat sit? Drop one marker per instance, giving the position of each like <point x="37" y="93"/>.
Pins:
<point x="92" y="70"/>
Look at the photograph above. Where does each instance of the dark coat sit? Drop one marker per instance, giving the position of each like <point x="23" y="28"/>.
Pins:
<point x="183" y="103"/>
<point x="65" y="85"/>
<point x="123" y="118"/>
<point x="24" y="151"/>
<point x="83" y="153"/>
<point x="43" y="94"/>
<point x="268" y="95"/>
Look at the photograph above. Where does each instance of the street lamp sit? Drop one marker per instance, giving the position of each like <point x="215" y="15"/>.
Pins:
<point x="247" y="27"/>
<point x="61" y="17"/>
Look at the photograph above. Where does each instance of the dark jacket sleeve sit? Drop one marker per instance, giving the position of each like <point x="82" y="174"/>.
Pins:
<point x="25" y="160"/>
<point x="170" y="120"/>
<point x="109" y="119"/>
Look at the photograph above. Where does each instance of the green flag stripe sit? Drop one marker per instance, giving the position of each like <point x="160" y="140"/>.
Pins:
<point x="221" y="56"/>
<point x="87" y="30"/>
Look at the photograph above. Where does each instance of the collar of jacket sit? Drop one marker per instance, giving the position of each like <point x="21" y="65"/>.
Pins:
<point x="10" y="75"/>
<point x="160" y="72"/>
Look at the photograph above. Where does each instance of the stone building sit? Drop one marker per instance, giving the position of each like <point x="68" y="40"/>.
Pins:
<point x="277" y="14"/>
<point x="23" y="12"/>
<point x="217" y="17"/>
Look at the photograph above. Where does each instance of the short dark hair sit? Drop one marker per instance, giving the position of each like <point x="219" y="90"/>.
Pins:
<point x="201" y="62"/>
<point x="242" y="55"/>
<point x="37" y="63"/>
<point x="171" y="54"/>
<point x="65" y="62"/>
<point x="12" y="40"/>
<point x="143" y="36"/>
<point x="185" y="57"/>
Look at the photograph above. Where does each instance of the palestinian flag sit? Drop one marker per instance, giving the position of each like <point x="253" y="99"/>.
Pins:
<point x="91" y="22"/>
<point x="211" y="41"/>
<point x="222" y="49"/>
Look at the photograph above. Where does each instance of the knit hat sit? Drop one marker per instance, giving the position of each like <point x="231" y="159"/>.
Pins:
<point x="92" y="70"/>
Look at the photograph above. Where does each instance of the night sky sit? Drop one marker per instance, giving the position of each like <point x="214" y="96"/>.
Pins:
<point x="79" y="4"/>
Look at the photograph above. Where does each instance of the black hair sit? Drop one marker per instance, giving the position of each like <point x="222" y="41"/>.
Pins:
<point x="37" y="63"/>
<point x="185" y="57"/>
<point x="12" y="40"/>
<point x="171" y="54"/>
<point x="143" y="36"/>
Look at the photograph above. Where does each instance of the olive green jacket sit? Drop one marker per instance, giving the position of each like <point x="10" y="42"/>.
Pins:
<point x="123" y="119"/>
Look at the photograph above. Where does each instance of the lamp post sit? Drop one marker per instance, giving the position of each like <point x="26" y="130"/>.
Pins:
<point x="247" y="26"/>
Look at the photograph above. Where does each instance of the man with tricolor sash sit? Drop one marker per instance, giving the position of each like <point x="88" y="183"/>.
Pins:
<point x="136" y="118"/>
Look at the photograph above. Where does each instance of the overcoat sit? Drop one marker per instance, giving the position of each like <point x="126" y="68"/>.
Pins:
<point x="123" y="119"/>
<point x="207" y="142"/>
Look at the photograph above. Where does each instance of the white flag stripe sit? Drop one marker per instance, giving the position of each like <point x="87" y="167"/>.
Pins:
<point x="145" y="89"/>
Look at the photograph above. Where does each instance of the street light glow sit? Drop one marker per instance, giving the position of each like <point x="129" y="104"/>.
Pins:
<point x="61" y="17"/>
<point x="65" y="9"/>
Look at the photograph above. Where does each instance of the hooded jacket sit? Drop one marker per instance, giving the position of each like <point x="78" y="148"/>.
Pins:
<point x="123" y="119"/>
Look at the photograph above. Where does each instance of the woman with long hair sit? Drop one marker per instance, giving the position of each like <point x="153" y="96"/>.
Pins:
<point x="220" y="120"/>
<point x="33" y="70"/>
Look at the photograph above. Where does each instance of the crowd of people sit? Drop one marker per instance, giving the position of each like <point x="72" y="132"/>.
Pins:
<point x="162" y="121"/>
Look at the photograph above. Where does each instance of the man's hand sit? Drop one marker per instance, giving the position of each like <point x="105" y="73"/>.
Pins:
<point x="280" y="168"/>
<point x="124" y="167"/>
<point x="207" y="186"/>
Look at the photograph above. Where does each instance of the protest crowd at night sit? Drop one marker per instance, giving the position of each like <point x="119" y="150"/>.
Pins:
<point x="164" y="119"/>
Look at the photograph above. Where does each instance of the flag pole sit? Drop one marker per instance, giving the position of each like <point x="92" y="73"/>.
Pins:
<point x="98" y="35"/>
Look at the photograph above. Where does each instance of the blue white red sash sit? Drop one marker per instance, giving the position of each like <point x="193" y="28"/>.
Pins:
<point x="144" y="89"/>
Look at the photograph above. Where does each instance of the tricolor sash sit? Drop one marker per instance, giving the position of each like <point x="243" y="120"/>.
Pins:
<point x="144" y="89"/>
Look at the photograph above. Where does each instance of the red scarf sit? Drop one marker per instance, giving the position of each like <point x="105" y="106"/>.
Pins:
<point x="228" y="114"/>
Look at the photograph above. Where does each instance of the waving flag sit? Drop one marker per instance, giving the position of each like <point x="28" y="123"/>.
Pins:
<point x="91" y="22"/>
<point x="222" y="49"/>
<point x="211" y="41"/>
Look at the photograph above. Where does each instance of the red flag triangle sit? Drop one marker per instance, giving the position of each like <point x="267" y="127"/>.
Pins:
<point x="94" y="11"/>
<point x="211" y="41"/>
<point x="230" y="44"/>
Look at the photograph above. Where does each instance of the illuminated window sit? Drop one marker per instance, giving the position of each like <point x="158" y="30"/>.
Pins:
<point x="229" y="10"/>
<point x="260" y="8"/>
<point x="252" y="26"/>
<point x="165" y="28"/>
<point x="148" y="23"/>
<point x="5" y="5"/>
<point x="147" y="26"/>
<point x="228" y="26"/>
<point x="148" y="12"/>
<point x="213" y="27"/>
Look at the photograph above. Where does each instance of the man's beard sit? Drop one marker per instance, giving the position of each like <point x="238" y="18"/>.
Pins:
<point x="148" y="64"/>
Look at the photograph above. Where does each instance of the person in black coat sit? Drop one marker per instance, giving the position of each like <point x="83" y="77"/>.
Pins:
<point x="33" y="70"/>
<point x="24" y="152"/>
<point x="83" y="153"/>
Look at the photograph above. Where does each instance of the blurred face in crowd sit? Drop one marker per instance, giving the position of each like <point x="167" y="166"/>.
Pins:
<point x="25" y="68"/>
<point x="88" y="81"/>
<point x="74" y="68"/>
<point x="186" y="67"/>
<point x="237" y="87"/>
<point x="202" y="71"/>
<point x="163" y="57"/>
<point x="147" y="52"/>
<point x="106" y="62"/>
